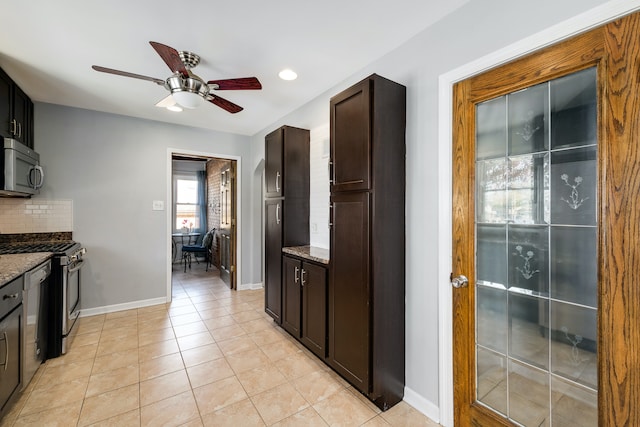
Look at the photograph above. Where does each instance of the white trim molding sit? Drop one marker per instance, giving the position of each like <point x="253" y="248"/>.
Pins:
<point x="250" y="286"/>
<point x="120" y="307"/>
<point x="588" y="20"/>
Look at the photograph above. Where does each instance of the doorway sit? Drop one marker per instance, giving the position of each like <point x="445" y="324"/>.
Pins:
<point x="208" y="203"/>
<point x="536" y="276"/>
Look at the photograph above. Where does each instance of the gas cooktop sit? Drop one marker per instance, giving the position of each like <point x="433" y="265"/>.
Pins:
<point x="57" y="247"/>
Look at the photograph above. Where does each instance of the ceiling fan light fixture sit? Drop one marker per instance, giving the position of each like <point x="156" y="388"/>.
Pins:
<point x="288" y="74"/>
<point x="187" y="99"/>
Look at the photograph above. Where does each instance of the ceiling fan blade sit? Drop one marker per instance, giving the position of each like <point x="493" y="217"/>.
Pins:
<point x="224" y="104"/>
<point x="245" y="83"/>
<point x="127" y="74"/>
<point x="170" y="57"/>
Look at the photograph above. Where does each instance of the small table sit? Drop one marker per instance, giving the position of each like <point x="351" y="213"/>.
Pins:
<point x="185" y="239"/>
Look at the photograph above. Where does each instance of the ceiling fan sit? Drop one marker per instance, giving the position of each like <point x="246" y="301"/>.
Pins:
<point x="186" y="89"/>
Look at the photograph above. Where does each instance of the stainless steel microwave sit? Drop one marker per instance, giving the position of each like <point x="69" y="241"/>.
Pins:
<point x="22" y="175"/>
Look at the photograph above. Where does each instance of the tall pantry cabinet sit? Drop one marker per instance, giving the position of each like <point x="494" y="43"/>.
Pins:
<point x="286" y="205"/>
<point x="367" y="239"/>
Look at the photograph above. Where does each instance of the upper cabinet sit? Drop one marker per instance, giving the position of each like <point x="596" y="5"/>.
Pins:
<point x="287" y="163"/>
<point x="16" y="112"/>
<point x="351" y="138"/>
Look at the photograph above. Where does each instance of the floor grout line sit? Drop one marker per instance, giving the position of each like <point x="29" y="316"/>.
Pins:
<point x="192" y="299"/>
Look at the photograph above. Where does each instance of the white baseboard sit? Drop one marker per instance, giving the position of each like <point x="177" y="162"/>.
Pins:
<point x="250" y="286"/>
<point x="120" y="307"/>
<point x="421" y="404"/>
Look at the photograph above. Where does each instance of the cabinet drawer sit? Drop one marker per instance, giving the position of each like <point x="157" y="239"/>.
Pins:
<point x="11" y="295"/>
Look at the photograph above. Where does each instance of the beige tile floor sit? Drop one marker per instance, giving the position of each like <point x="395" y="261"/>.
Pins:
<point x="211" y="357"/>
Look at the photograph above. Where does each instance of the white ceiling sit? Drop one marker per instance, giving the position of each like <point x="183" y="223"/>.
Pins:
<point x="48" y="48"/>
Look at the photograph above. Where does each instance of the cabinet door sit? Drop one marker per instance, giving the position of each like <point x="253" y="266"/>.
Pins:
<point x="291" y="275"/>
<point x="9" y="354"/>
<point x="273" y="258"/>
<point x="27" y="126"/>
<point x="351" y="138"/>
<point x="20" y="113"/>
<point x="314" y="308"/>
<point x="273" y="168"/>
<point x="349" y="288"/>
<point x="5" y="105"/>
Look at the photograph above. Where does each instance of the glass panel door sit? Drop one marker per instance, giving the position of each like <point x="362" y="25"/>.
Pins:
<point x="536" y="260"/>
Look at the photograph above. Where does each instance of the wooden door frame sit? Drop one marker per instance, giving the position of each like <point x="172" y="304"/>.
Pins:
<point x="238" y="209"/>
<point x="564" y="30"/>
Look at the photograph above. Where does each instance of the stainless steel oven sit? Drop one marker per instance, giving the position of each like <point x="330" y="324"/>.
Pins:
<point x="70" y="266"/>
<point x="64" y="290"/>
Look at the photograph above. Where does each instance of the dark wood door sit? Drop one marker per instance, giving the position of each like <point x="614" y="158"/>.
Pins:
<point x="596" y="237"/>
<point x="291" y="287"/>
<point x="349" y="296"/>
<point x="351" y="138"/>
<point x="273" y="168"/>
<point x="273" y="258"/>
<point x="21" y="106"/>
<point x="5" y="105"/>
<point x="314" y="308"/>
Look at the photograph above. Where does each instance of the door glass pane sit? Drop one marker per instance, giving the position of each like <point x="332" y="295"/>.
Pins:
<point x="536" y="253"/>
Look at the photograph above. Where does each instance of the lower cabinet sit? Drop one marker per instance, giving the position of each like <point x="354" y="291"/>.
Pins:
<point x="304" y="313"/>
<point x="10" y="332"/>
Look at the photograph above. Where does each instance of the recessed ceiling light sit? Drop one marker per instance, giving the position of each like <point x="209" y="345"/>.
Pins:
<point x="175" y="108"/>
<point x="287" y="74"/>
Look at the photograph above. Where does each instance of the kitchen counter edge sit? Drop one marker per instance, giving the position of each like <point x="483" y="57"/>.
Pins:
<point x="311" y="253"/>
<point x="15" y="265"/>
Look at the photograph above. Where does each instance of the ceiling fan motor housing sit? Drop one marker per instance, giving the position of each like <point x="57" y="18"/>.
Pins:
<point x="177" y="83"/>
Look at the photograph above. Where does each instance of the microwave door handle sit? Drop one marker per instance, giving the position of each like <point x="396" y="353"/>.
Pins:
<point x="30" y="178"/>
<point x="37" y="181"/>
<point x="41" y="180"/>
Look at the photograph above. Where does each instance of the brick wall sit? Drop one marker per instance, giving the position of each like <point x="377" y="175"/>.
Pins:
<point x="214" y="167"/>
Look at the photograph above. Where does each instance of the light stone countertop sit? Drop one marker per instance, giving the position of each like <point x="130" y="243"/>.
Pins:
<point x="308" y="252"/>
<point x="14" y="265"/>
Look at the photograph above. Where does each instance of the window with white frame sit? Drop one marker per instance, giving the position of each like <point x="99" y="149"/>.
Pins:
<point x="186" y="211"/>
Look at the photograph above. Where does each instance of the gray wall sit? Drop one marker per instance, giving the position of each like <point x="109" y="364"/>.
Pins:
<point x="473" y="31"/>
<point x="113" y="167"/>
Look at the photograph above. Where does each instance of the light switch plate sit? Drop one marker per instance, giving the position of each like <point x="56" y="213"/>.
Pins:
<point x="158" y="205"/>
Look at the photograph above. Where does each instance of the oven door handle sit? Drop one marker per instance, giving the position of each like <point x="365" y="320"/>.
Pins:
<point x="77" y="267"/>
<point x="6" y="351"/>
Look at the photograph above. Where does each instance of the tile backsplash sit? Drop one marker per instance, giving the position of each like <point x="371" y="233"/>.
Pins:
<point x="35" y="215"/>
<point x="319" y="187"/>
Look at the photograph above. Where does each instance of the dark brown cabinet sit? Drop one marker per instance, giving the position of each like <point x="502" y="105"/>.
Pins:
<point x="286" y="205"/>
<point x="10" y="343"/>
<point x="305" y="303"/>
<point x="16" y="112"/>
<point x="350" y="128"/>
<point x="367" y="239"/>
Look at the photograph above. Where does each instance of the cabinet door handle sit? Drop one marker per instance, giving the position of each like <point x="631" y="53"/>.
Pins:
<point x="6" y="351"/>
<point x="9" y="296"/>
<point x="19" y="130"/>
<point x="302" y="277"/>
<point x="14" y="127"/>
<point x="330" y="215"/>
<point x="277" y="182"/>
<point x="329" y="166"/>
<point x="295" y="275"/>
<point x="356" y="181"/>
<point x="278" y="213"/>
